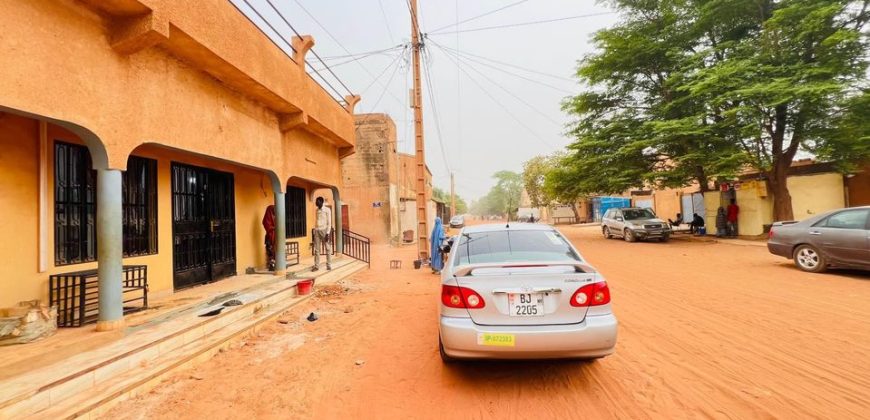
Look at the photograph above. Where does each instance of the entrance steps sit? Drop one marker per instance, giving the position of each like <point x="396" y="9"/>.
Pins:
<point x="89" y="383"/>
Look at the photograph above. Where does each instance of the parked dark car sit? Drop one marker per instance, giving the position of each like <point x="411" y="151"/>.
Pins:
<point x="840" y="238"/>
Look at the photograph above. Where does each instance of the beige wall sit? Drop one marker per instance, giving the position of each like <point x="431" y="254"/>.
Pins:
<point x="755" y="210"/>
<point x="19" y="163"/>
<point x="814" y="194"/>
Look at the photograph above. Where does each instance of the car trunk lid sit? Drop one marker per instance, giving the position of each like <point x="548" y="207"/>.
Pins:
<point x="533" y="294"/>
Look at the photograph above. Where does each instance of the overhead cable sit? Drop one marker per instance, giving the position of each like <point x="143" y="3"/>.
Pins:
<point x="513" y="25"/>
<point x="478" y="16"/>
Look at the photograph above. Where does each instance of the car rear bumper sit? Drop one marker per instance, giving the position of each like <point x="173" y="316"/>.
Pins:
<point x="594" y="337"/>
<point x="782" y="250"/>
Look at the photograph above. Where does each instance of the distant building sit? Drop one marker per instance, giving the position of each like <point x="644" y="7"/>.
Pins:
<point x="379" y="183"/>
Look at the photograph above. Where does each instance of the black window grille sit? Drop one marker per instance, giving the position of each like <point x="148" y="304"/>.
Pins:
<point x="294" y="209"/>
<point x="75" y="206"/>
<point x="140" y="206"/>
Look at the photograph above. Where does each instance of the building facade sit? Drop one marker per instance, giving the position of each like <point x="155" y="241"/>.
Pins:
<point x="140" y="132"/>
<point x="379" y="183"/>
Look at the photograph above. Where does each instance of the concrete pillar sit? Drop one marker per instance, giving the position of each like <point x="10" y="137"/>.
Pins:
<point x="109" y="250"/>
<point x="339" y="238"/>
<point x="280" y="235"/>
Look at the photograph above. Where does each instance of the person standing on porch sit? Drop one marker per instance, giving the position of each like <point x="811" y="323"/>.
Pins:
<point x="269" y="226"/>
<point x="322" y="230"/>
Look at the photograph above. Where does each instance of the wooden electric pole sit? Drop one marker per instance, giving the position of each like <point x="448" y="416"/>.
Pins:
<point x="422" y="196"/>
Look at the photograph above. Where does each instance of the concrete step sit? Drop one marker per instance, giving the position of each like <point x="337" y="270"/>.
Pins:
<point x="93" y="379"/>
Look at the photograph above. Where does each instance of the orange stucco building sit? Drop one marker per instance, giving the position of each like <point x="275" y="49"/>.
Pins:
<point x="155" y="133"/>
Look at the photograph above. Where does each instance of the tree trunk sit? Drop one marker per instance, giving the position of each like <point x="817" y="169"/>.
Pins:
<point x="782" y="209"/>
<point x="576" y="213"/>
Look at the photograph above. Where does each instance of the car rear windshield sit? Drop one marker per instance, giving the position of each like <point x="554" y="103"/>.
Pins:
<point x="635" y="214"/>
<point x="513" y="246"/>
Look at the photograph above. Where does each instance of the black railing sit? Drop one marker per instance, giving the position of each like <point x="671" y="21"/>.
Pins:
<point x="76" y="295"/>
<point x="357" y="246"/>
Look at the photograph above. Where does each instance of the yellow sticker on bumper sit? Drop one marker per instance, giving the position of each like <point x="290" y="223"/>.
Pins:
<point x="492" y="339"/>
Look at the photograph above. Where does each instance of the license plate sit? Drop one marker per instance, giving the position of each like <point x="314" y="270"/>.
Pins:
<point x="526" y="304"/>
<point x="494" y="339"/>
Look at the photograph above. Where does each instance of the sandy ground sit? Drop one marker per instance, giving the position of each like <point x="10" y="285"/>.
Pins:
<point x="706" y="331"/>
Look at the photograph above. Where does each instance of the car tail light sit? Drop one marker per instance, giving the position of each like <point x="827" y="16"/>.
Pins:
<point x="770" y="234"/>
<point x="591" y="295"/>
<point x="461" y="297"/>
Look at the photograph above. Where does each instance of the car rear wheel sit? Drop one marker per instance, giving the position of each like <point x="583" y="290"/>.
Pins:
<point x="606" y="232"/>
<point x="664" y="238"/>
<point x="444" y="357"/>
<point x="628" y="235"/>
<point x="808" y="258"/>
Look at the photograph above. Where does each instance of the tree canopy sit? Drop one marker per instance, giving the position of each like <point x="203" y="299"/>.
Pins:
<point x="682" y="91"/>
<point x="503" y="198"/>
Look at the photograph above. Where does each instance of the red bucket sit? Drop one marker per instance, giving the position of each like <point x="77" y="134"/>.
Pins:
<point x="303" y="287"/>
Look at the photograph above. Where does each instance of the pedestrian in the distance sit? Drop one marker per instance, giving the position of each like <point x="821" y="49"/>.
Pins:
<point x="322" y="231"/>
<point x="731" y="218"/>
<point x="436" y="259"/>
<point x="696" y="224"/>
<point x="721" y="223"/>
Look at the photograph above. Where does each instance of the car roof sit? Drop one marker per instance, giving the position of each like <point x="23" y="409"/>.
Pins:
<point x="495" y="227"/>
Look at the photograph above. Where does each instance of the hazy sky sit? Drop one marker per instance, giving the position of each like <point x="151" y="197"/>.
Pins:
<point x="481" y="130"/>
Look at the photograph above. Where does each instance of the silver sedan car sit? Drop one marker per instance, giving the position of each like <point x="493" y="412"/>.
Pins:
<point x="522" y="292"/>
<point x="840" y="238"/>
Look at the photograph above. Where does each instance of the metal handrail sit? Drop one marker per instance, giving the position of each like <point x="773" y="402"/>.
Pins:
<point x="357" y="246"/>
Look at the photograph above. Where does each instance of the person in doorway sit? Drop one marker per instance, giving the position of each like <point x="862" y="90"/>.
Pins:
<point x="322" y="234"/>
<point x="436" y="259"/>
<point x="696" y="223"/>
<point x="721" y="223"/>
<point x="269" y="225"/>
<point x="531" y="218"/>
<point x="731" y="218"/>
<point x="678" y="220"/>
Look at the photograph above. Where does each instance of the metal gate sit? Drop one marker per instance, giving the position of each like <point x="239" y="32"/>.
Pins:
<point x="203" y="225"/>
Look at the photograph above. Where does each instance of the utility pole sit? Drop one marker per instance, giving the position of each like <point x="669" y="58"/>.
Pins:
<point x="452" y="196"/>
<point x="422" y="197"/>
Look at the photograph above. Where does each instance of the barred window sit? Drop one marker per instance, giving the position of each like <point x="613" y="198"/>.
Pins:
<point x="294" y="206"/>
<point x="140" y="206"/>
<point x="75" y="206"/>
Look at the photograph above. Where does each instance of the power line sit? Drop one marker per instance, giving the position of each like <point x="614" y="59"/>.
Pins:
<point x="468" y="58"/>
<point x="330" y="35"/>
<point x="518" y="98"/>
<point x="365" y="53"/>
<point x="386" y="21"/>
<point x="352" y="60"/>
<point x="513" y="25"/>
<point x="281" y="15"/>
<point x="290" y="44"/>
<point x="478" y="16"/>
<point x="432" y="101"/>
<point x="509" y="64"/>
<point x="395" y="59"/>
<point x="497" y="102"/>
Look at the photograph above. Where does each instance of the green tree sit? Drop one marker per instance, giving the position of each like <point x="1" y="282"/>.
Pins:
<point x="534" y="172"/>
<point x="686" y="90"/>
<point x="635" y="125"/>
<point x="789" y="84"/>
<point x="563" y="182"/>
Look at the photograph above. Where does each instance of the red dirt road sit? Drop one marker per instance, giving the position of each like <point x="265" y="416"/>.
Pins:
<point x="706" y="331"/>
